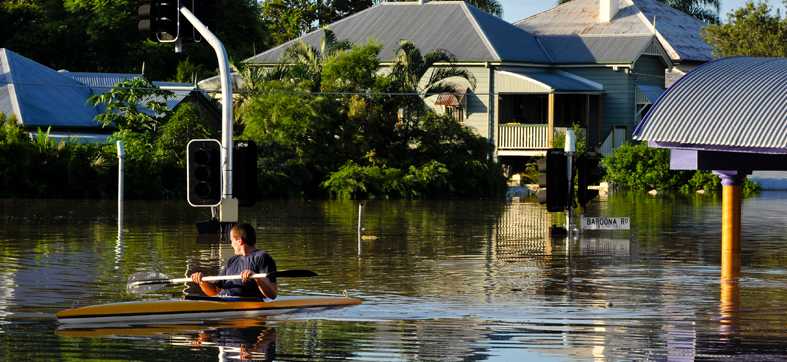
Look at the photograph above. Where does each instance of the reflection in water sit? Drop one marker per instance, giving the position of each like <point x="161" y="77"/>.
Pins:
<point x="454" y="280"/>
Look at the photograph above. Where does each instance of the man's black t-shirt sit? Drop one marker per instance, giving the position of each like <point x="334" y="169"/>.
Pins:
<point x="258" y="262"/>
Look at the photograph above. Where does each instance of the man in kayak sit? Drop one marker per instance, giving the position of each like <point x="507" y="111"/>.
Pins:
<point x="248" y="260"/>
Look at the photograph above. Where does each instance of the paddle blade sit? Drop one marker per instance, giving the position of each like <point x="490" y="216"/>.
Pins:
<point x="144" y="282"/>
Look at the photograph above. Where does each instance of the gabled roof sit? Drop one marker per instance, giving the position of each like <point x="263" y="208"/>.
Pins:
<point x="678" y="33"/>
<point x="735" y="103"/>
<point x="468" y="33"/>
<point x="39" y="96"/>
<point x="591" y="49"/>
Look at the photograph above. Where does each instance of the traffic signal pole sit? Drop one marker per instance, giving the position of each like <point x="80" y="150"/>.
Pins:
<point x="228" y="208"/>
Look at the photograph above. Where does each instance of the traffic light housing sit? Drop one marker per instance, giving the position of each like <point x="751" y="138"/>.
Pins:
<point x="244" y="173"/>
<point x="161" y="17"/>
<point x="557" y="180"/>
<point x="203" y="170"/>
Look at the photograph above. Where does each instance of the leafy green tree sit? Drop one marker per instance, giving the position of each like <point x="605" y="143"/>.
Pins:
<point x="134" y="105"/>
<point x="752" y="30"/>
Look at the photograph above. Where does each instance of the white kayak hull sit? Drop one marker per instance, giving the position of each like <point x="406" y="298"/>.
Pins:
<point x="196" y="310"/>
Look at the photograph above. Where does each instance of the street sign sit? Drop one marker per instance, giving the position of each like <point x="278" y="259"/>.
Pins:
<point x="605" y="223"/>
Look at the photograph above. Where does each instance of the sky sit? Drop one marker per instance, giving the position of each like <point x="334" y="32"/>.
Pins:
<point x="514" y="10"/>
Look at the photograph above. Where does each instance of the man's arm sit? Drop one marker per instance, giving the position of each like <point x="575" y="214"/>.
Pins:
<point x="268" y="289"/>
<point x="208" y="288"/>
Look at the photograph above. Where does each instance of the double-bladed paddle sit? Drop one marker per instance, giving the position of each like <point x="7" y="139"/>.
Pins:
<point x="149" y="281"/>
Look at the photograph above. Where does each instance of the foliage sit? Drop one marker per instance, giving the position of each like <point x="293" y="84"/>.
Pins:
<point x="752" y="30"/>
<point x="184" y="125"/>
<point x="639" y="167"/>
<point x="136" y="105"/>
<point x="705" y="10"/>
<point x="35" y="167"/>
<point x="101" y="35"/>
<point x="350" y="140"/>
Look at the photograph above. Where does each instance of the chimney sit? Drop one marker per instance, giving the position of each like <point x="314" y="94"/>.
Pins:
<point x="607" y="10"/>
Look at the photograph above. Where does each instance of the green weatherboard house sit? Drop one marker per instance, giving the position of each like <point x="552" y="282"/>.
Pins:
<point x="598" y="64"/>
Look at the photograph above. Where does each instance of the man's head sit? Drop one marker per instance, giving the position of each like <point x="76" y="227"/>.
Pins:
<point x="242" y="235"/>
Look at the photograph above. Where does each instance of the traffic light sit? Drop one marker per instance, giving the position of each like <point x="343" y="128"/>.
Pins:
<point x="587" y="174"/>
<point x="244" y="173"/>
<point x="557" y="180"/>
<point x="187" y="33"/>
<point x="203" y="170"/>
<point x="161" y="17"/>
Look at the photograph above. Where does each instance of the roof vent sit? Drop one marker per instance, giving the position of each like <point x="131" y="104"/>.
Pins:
<point x="607" y="10"/>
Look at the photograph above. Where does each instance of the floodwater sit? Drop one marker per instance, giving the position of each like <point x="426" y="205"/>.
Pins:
<point x="440" y="280"/>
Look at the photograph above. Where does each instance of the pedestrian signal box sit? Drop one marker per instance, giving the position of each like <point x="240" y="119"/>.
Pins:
<point x="203" y="170"/>
<point x="557" y="180"/>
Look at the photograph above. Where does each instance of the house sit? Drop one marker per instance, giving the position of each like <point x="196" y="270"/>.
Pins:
<point x="530" y="84"/>
<point x="678" y="33"/>
<point x="41" y="98"/>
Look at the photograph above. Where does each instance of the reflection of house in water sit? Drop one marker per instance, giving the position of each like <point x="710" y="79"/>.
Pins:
<point x="522" y="231"/>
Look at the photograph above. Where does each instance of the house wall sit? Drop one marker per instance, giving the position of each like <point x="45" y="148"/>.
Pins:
<point x="649" y="70"/>
<point x="478" y="100"/>
<point x="618" y="96"/>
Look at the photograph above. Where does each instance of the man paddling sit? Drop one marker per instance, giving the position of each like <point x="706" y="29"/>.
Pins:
<point x="247" y="261"/>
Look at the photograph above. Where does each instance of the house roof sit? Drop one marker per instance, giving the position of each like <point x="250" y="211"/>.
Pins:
<point x="468" y="33"/>
<point x="678" y="33"/>
<point x="735" y="103"/>
<point x="555" y="81"/>
<point x="39" y="96"/>
<point x="595" y="49"/>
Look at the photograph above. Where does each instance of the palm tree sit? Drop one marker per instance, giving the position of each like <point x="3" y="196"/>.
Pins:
<point x="304" y="62"/>
<point x="705" y="10"/>
<point x="410" y="69"/>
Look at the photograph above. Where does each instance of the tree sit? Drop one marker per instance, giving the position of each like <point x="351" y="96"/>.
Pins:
<point x="134" y="105"/>
<point x="410" y="69"/>
<point x="752" y="31"/>
<point x="705" y="10"/>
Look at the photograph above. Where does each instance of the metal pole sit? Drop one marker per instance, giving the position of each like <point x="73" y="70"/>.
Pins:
<point x="570" y="147"/>
<point x="228" y="210"/>
<point x="121" y="160"/>
<point x="360" y="217"/>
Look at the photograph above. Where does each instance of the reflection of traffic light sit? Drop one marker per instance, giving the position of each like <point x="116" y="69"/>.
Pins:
<point x="161" y="17"/>
<point x="557" y="180"/>
<point x="587" y="174"/>
<point x="203" y="168"/>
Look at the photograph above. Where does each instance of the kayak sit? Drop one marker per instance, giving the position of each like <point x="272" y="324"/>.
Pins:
<point x="197" y="308"/>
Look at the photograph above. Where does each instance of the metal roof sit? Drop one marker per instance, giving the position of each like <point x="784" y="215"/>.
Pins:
<point x="556" y="81"/>
<point x="679" y="33"/>
<point x="651" y="93"/>
<point x="39" y="96"/>
<point x="591" y="49"/>
<point x="460" y="29"/>
<point x="737" y="103"/>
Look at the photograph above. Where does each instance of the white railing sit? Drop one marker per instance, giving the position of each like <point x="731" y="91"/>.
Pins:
<point x="515" y="136"/>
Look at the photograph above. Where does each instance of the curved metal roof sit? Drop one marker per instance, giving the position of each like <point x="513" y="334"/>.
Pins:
<point x="737" y="103"/>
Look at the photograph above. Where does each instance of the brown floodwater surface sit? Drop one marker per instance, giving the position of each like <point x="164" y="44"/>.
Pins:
<point x="440" y="280"/>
